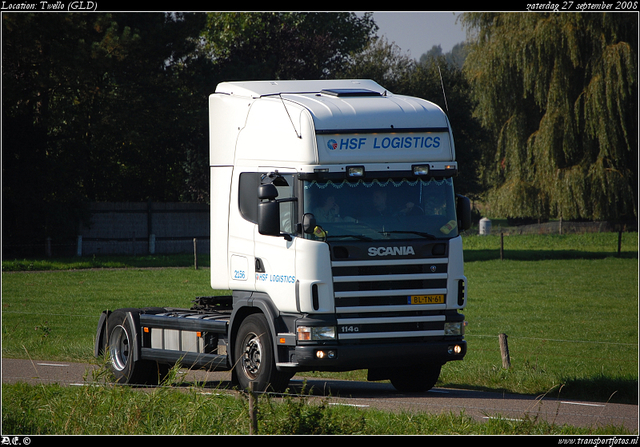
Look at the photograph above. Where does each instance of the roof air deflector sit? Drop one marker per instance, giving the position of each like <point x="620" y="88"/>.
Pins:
<point x="349" y="92"/>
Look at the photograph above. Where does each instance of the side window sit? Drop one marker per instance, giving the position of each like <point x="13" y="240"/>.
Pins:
<point x="287" y="209"/>
<point x="248" y="196"/>
<point x="248" y="199"/>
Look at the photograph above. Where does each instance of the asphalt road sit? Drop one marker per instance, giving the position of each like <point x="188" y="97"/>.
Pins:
<point x="381" y="395"/>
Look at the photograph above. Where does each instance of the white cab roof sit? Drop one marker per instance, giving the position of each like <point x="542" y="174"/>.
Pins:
<point x="263" y="88"/>
<point x="324" y="122"/>
<point x="346" y="112"/>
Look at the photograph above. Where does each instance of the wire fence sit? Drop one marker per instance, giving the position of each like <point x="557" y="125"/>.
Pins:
<point x="67" y="315"/>
<point x="132" y="246"/>
<point x="557" y="340"/>
<point x="142" y="245"/>
<point x="512" y="339"/>
<point x="564" y="227"/>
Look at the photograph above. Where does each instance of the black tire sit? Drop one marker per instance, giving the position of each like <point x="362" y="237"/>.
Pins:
<point x="416" y="379"/>
<point x="254" y="357"/>
<point x="121" y="340"/>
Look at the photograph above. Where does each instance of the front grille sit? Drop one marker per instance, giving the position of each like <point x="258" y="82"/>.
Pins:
<point x="373" y="298"/>
<point x="379" y="283"/>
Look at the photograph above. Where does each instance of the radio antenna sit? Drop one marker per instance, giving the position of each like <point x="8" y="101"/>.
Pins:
<point x="287" y="110"/>
<point x="443" y="93"/>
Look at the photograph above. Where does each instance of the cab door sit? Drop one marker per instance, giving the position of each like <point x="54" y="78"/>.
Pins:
<point x="275" y="256"/>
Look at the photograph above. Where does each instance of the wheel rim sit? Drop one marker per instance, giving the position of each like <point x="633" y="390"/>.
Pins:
<point x="252" y="356"/>
<point x="119" y="347"/>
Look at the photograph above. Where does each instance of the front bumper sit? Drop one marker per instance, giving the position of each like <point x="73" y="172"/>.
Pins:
<point x="347" y="357"/>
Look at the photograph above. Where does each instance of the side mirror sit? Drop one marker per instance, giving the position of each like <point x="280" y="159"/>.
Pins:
<point x="267" y="192"/>
<point x="269" y="217"/>
<point x="308" y="223"/>
<point x="463" y="209"/>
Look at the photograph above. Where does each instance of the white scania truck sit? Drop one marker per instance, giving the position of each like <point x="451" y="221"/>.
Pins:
<point x="335" y="228"/>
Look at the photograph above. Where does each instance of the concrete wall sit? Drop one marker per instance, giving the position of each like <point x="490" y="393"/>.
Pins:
<point x="145" y="228"/>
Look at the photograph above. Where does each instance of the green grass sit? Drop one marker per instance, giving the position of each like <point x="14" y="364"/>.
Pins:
<point x="569" y="305"/>
<point x="530" y="247"/>
<point x="572" y="328"/>
<point x="22" y="265"/>
<point x="108" y="410"/>
<point x="53" y="314"/>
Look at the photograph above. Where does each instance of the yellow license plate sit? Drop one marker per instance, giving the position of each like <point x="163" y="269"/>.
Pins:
<point x="426" y="299"/>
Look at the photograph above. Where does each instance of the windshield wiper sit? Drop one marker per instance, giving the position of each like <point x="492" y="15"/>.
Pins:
<point x="419" y="233"/>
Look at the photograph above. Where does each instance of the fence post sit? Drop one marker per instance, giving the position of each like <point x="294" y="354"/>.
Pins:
<point x="47" y="247"/>
<point x="152" y="244"/>
<point x="560" y="226"/>
<point x="79" y="249"/>
<point x="501" y="245"/>
<point x="619" y="242"/>
<point x="504" y="351"/>
<point x="195" y="252"/>
<point x="253" y="416"/>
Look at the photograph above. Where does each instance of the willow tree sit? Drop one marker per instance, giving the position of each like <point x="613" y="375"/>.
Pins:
<point x="559" y="94"/>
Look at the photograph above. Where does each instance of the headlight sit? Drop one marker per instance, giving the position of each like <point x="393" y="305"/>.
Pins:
<point x="420" y="170"/>
<point x="319" y="333"/>
<point x="454" y="328"/>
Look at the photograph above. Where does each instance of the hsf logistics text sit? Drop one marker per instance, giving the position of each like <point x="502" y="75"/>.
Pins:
<point x="50" y="6"/>
<point x="407" y="142"/>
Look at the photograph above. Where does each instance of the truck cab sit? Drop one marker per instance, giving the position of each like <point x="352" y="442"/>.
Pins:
<point x="342" y="220"/>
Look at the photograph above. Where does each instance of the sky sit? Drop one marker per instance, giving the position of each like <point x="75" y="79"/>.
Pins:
<point x="416" y="32"/>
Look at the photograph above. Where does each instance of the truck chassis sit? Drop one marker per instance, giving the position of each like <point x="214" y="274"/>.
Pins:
<point x="141" y="346"/>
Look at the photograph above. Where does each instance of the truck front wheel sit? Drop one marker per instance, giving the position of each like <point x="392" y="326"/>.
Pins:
<point x="121" y="343"/>
<point x="415" y="379"/>
<point x="254" y="357"/>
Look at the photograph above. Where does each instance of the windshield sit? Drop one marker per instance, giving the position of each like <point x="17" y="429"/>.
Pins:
<point x="382" y="209"/>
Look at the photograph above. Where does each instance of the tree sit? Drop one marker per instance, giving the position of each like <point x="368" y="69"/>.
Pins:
<point x="383" y="62"/>
<point x="454" y="58"/>
<point x="559" y="92"/>
<point x="277" y="45"/>
<point x="95" y="108"/>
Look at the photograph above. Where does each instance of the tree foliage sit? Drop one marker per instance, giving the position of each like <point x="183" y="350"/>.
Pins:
<point x="383" y="62"/>
<point x="278" y="45"/>
<point x="112" y="107"/>
<point x="93" y="110"/>
<point x="559" y="92"/>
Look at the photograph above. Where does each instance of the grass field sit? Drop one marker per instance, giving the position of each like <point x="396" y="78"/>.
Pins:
<point x="117" y="410"/>
<point x="570" y="323"/>
<point x="569" y="305"/>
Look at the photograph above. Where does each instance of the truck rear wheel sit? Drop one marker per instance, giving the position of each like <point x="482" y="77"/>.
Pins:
<point x="254" y="357"/>
<point x="415" y="379"/>
<point x="121" y="343"/>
